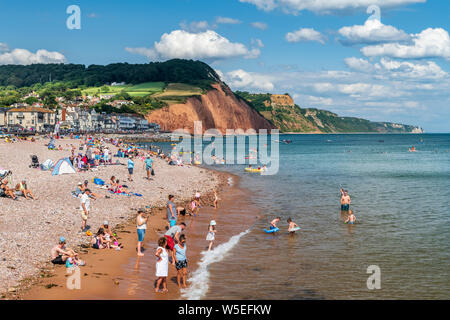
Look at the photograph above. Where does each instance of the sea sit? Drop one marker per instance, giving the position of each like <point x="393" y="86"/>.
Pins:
<point x="401" y="238"/>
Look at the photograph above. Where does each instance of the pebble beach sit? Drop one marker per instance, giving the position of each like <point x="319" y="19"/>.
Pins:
<point x="30" y="228"/>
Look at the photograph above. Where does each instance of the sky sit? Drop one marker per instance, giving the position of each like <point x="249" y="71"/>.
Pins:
<point x="383" y="60"/>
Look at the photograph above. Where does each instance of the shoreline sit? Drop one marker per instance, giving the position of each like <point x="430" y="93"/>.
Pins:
<point x="114" y="279"/>
<point x="57" y="211"/>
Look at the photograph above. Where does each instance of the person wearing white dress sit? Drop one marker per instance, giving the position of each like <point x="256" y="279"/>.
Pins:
<point x="162" y="265"/>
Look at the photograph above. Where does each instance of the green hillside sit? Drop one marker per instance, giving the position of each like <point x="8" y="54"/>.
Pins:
<point x="292" y="118"/>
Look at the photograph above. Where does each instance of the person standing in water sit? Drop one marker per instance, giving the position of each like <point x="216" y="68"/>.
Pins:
<point x="211" y="234"/>
<point x="273" y="223"/>
<point x="162" y="265"/>
<point x="216" y="200"/>
<point x="345" y="200"/>
<point x="180" y="260"/>
<point x="292" y="225"/>
<point x="351" y="218"/>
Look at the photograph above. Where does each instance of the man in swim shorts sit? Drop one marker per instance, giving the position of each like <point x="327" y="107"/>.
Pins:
<point x="345" y="200"/>
<point x="60" y="253"/>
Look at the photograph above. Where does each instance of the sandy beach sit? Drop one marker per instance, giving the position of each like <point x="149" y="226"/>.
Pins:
<point x="30" y="228"/>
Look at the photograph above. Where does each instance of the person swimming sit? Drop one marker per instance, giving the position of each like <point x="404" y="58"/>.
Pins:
<point x="351" y="219"/>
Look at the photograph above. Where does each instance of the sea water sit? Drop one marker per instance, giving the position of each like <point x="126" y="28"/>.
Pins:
<point x="401" y="202"/>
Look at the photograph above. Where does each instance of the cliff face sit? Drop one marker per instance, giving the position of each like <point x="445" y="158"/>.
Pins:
<point x="218" y="108"/>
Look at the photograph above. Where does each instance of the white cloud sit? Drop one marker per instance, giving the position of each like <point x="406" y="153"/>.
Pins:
<point x="429" y="43"/>
<point x="373" y="31"/>
<point x="248" y="80"/>
<point x="427" y="69"/>
<point x="195" y="26"/>
<point x="25" y="57"/>
<point x="259" y="25"/>
<point x="201" y="26"/>
<point x="305" y="34"/>
<point x="225" y="20"/>
<point x="4" y="47"/>
<point x="359" y="64"/>
<point x="204" y="45"/>
<point x="389" y="68"/>
<point x="324" y="6"/>
<point x="319" y="101"/>
<point x="258" y="43"/>
<point x="384" y="95"/>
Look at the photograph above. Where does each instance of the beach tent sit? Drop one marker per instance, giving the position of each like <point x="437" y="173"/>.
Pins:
<point x="63" y="166"/>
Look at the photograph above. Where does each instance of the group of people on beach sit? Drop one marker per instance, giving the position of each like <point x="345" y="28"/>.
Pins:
<point x="172" y="246"/>
<point x="21" y="189"/>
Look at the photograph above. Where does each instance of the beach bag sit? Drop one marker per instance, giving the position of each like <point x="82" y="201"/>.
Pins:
<point x="153" y="172"/>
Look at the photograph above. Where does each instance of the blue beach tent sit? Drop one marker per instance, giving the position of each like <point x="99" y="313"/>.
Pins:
<point x="63" y="166"/>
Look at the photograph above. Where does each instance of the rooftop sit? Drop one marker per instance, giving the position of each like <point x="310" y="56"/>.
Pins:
<point x="30" y="109"/>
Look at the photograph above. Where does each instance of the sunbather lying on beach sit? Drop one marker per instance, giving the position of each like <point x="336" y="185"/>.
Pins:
<point x="22" y="189"/>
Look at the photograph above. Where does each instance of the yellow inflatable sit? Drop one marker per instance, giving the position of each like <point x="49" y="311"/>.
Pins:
<point x="197" y="162"/>
<point x="252" y="170"/>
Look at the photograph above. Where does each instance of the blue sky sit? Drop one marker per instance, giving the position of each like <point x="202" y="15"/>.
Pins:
<point x="326" y="54"/>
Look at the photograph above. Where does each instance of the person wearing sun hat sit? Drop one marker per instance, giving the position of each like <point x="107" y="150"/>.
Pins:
<point x="60" y="253"/>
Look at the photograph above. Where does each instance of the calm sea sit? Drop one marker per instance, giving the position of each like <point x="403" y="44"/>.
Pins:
<point x="402" y="204"/>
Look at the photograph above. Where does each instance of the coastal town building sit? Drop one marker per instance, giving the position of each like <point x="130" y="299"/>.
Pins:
<point x="31" y="118"/>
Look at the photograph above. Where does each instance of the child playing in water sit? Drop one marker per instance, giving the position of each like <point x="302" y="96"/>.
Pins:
<point x="292" y="225"/>
<point x="211" y="234"/>
<point x="351" y="218"/>
<point x="216" y="200"/>
<point x="273" y="223"/>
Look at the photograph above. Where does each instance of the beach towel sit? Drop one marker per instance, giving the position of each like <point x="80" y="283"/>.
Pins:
<point x="98" y="181"/>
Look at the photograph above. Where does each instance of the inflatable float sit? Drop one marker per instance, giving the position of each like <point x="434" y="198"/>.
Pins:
<point x="294" y="229"/>
<point x="252" y="170"/>
<point x="271" y="230"/>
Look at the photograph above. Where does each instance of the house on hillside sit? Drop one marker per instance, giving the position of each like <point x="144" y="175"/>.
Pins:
<point x="31" y="118"/>
<point x="107" y="96"/>
<point x="119" y="103"/>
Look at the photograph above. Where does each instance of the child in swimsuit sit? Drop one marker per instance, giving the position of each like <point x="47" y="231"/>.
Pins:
<point x="351" y="218"/>
<point x="273" y="223"/>
<point x="292" y="225"/>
